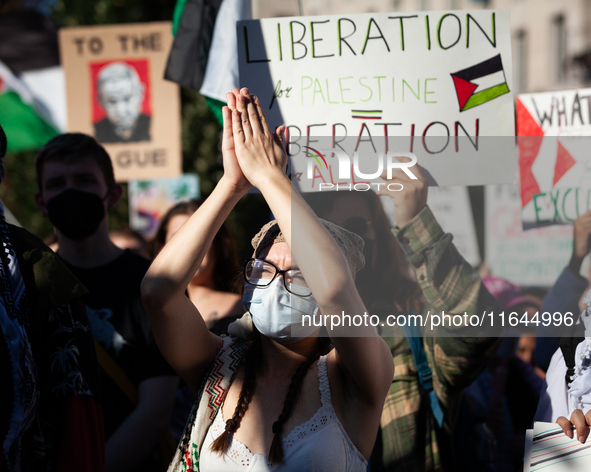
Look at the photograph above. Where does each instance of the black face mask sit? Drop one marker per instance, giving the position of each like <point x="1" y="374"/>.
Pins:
<point x="75" y="213"/>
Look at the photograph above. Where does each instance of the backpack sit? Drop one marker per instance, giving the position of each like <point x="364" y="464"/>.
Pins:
<point x="572" y="336"/>
<point x="482" y="453"/>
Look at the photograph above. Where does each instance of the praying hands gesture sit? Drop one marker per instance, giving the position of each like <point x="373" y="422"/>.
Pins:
<point x="246" y="133"/>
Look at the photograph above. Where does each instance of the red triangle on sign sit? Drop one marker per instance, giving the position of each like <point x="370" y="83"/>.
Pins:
<point x="464" y="90"/>
<point x="564" y="161"/>
<point x="527" y="124"/>
<point x="530" y="136"/>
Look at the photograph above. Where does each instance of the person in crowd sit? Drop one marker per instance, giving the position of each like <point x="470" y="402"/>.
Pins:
<point x="419" y="416"/>
<point x="505" y="395"/>
<point x="566" y="293"/>
<point x="76" y="190"/>
<point x="127" y="238"/>
<point x="213" y="289"/>
<point x="566" y="396"/>
<point x="512" y="300"/>
<point x="50" y="414"/>
<point x="294" y="400"/>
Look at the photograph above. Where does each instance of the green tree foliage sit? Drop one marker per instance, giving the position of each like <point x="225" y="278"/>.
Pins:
<point x="201" y="133"/>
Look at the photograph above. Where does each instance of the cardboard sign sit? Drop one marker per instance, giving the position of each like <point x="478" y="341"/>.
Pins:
<point x="116" y="93"/>
<point x="532" y="257"/>
<point x="554" y="137"/>
<point x="436" y="84"/>
<point x="149" y="200"/>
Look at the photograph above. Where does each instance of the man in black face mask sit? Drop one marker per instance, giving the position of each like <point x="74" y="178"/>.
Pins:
<point x="76" y="190"/>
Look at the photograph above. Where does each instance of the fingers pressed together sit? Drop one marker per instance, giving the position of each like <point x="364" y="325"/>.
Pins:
<point x="579" y="423"/>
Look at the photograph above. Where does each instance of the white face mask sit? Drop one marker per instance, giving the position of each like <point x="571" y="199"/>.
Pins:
<point x="275" y="311"/>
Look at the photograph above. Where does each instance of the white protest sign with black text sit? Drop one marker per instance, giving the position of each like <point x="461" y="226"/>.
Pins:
<point x="436" y="84"/>
<point x="554" y="130"/>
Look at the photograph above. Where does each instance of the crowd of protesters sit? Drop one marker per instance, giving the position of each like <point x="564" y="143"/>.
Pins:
<point x="120" y="354"/>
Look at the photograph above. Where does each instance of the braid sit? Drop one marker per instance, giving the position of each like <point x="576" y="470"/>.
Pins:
<point x="276" y="451"/>
<point x="253" y="360"/>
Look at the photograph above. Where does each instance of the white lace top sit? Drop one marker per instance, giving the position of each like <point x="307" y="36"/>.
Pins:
<point x="318" y="445"/>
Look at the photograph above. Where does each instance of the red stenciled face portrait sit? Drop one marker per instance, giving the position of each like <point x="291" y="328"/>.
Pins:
<point x="121" y="108"/>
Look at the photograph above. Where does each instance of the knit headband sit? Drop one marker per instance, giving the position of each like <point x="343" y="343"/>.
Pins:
<point x="350" y="244"/>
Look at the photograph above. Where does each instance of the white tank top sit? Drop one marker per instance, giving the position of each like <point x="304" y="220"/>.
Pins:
<point x="318" y="445"/>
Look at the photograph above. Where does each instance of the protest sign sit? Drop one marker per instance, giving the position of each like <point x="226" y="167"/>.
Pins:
<point x="533" y="257"/>
<point x="149" y="200"/>
<point x="554" y="135"/>
<point x="558" y="453"/>
<point x="436" y="84"/>
<point x="116" y="93"/>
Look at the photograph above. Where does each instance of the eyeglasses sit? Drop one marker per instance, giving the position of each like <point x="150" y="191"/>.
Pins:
<point x="261" y="273"/>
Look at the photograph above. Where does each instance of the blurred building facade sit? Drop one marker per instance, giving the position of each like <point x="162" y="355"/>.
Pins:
<point x="551" y="38"/>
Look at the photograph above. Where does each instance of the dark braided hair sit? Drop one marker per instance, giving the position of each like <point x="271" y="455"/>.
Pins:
<point x="253" y="360"/>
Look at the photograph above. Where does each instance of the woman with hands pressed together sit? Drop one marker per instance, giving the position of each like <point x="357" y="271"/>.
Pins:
<point x="269" y="396"/>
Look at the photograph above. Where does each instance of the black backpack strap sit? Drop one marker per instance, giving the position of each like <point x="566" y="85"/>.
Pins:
<point x="572" y="336"/>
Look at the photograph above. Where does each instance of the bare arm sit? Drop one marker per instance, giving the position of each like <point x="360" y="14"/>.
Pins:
<point x="142" y="429"/>
<point x="179" y="329"/>
<point x="262" y="159"/>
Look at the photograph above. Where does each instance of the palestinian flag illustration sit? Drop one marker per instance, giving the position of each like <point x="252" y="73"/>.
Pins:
<point x="480" y="83"/>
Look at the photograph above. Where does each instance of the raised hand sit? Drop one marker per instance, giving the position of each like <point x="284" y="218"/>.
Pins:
<point x="232" y="171"/>
<point x="582" y="238"/>
<point x="409" y="201"/>
<point x="259" y="152"/>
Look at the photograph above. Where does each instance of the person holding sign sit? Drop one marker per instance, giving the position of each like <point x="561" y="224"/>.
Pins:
<point x="565" y="397"/>
<point x="566" y="292"/>
<point x="270" y="394"/>
<point x="419" y="417"/>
